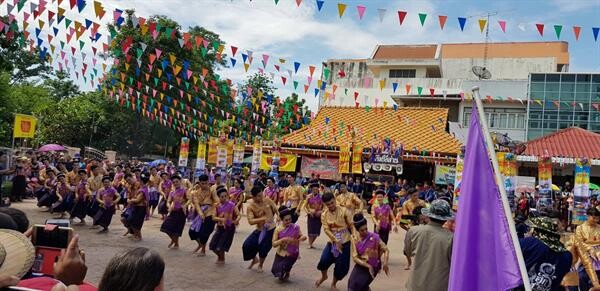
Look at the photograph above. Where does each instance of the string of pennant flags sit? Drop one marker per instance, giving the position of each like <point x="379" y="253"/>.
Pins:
<point x="361" y="10"/>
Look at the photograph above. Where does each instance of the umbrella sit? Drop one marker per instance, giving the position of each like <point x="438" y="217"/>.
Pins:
<point x="525" y="188"/>
<point x="594" y="186"/>
<point x="51" y="148"/>
<point x="555" y="188"/>
<point x="158" y="162"/>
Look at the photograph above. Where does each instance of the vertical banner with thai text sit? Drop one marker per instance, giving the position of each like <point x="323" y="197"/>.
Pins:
<point x="212" y="151"/>
<point x="184" y="151"/>
<point x="238" y="157"/>
<point x="201" y="158"/>
<point x="344" y="165"/>
<point x="357" y="159"/>
<point x="276" y="152"/>
<point x="222" y="151"/>
<point x="545" y="183"/>
<point x="457" y="181"/>
<point x="581" y="190"/>
<point x="508" y="168"/>
<point x="256" y="156"/>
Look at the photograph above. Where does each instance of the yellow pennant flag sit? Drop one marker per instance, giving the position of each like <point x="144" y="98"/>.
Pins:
<point x="482" y="23"/>
<point x="341" y="9"/>
<point x="24" y="126"/>
<point x="381" y="84"/>
<point x="246" y="66"/>
<point x="172" y="58"/>
<point x="159" y="73"/>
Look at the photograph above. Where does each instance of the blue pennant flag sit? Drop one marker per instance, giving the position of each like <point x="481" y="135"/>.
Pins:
<point x="595" y="31"/>
<point x="296" y="67"/>
<point x="394" y="86"/>
<point x="244" y="57"/>
<point x="197" y="100"/>
<point x="233" y="62"/>
<point x="80" y="5"/>
<point x="55" y="31"/>
<point x="169" y="77"/>
<point x="37" y="32"/>
<point x="320" y="4"/>
<point x="164" y="64"/>
<point x="88" y="23"/>
<point x="169" y="100"/>
<point x="461" y="22"/>
<point x="137" y="72"/>
<point x="186" y="65"/>
<point x="316" y="91"/>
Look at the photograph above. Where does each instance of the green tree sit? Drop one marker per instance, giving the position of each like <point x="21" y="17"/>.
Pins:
<point x="60" y="86"/>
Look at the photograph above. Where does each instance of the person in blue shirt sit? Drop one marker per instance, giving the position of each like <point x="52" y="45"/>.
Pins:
<point x="546" y="258"/>
<point x="426" y="192"/>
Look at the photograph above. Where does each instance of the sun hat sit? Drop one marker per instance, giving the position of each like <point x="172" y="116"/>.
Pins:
<point x="439" y="209"/>
<point x="16" y="253"/>
<point x="546" y="230"/>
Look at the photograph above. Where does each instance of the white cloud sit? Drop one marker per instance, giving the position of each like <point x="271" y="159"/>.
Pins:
<point x="569" y="6"/>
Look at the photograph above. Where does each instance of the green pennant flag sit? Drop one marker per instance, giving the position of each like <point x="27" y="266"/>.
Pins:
<point x="422" y="17"/>
<point x="367" y="108"/>
<point x="182" y="106"/>
<point x="155" y="81"/>
<point x="346" y="91"/>
<point x="113" y="32"/>
<point x="326" y="73"/>
<point x="557" y="29"/>
<point x="128" y="103"/>
<point x="62" y="45"/>
<point x="139" y="52"/>
<point x="151" y="102"/>
<point x="420" y="90"/>
<point x="211" y="130"/>
<point x="20" y="5"/>
<point x="276" y="2"/>
<point x="168" y="32"/>
<point x="217" y="77"/>
<point x="195" y="122"/>
<point x="84" y="79"/>
<point x="67" y="22"/>
<point x="130" y="80"/>
<point x="295" y="85"/>
<point x="95" y="71"/>
<point x="22" y="40"/>
<point x="139" y="102"/>
<point x="203" y="51"/>
<point x="215" y="45"/>
<point x="187" y="85"/>
<point x="81" y="44"/>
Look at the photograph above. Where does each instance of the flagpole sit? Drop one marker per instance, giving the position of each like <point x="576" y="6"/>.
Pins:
<point x="500" y="183"/>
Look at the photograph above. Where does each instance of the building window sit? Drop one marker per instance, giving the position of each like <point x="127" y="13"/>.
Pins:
<point x="404" y="73"/>
<point x="499" y="118"/>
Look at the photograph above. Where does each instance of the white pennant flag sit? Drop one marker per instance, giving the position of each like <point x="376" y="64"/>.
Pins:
<point x="381" y="13"/>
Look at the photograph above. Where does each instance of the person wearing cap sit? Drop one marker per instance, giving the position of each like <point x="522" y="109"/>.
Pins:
<point x="313" y="207"/>
<point x="587" y="243"/>
<point x="431" y="247"/>
<point x="349" y="200"/>
<point x="175" y="221"/>
<point x="286" y="239"/>
<point x="227" y="217"/>
<point x="337" y="224"/>
<point x="261" y="212"/>
<point x="546" y="259"/>
<point x="293" y="197"/>
<point x="107" y="198"/>
<point x="204" y="202"/>
<point x="369" y="253"/>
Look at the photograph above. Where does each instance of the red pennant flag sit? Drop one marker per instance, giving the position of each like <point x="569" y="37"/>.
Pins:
<point x="305" y="89"/>
<point x="540" y="28"/>
<point x="432" y="91"/>
<point x="312" y="70"/>
<point x="72" y="3"/>
<point x="283" y="79"/>
<point x="233" y="50"/>
<point x="576" y="31"/>
<point x="401" y="16"/>
<point x="442" y="19"/>
<point x="355" y="95"/>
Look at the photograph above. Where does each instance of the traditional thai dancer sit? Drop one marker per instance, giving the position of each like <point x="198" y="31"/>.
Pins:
<point x="82" y="196"/>
<point x="227" y="218"/>
<point x="313" y="206"/>
<point x="165" y="188"/>
<point x="94" y="184"/>
<point x="337" y="224"/>
<point x="383" y="218"/>
<point x="154" y="194"/>
<point x="204" y="203"/>
<point x="48" y="194"/>
<point x="119" y="184"/>
<point x="64" y="192"/>
<point x="369" y="253"/>
<point x="107" y="198"/>
<point x="261" y="212"/>
<point x="293" y="197"/>
<point x="349" y="200"/>
<point x="271" y="191"/>
<point x="236" y="194"/>
<point x="136" y="206"/>
<point x="286" y="239"/>
<point x="175" y="221"/>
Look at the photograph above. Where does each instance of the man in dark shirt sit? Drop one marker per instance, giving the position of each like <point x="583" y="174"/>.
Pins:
<point x="546" y="259"/>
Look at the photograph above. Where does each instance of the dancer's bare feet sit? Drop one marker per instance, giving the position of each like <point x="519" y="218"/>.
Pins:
<point x="171" y="244"/>
<point x="320" y="281"/>
<point x="407" y="267"/>
<point x="253" y="262"/>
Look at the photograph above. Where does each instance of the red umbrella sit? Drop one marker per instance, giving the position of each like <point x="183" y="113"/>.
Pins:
<point x="51" y="148"/>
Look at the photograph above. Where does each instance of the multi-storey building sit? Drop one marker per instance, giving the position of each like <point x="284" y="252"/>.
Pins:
<point x="442" y="75"/>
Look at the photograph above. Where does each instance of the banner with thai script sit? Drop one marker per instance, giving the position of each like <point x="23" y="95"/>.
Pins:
<point x="212" y="151"/>
<point x="221" y="164"/>
<point x="545" y="183"/>
<point x="287" y="162"/>
<point x="256" y="156"/>
<point x="457" y="181"/>
<point x="326" y="168"/>
<point x="275" y="161"/>
<point x="444" y="175"/>
<point x="238" y="157"/>
<point x="508" y="168"/>
<point x="201" y="158"/>
<point x="344" y="160"/>
<point x="24" y="126"/>
<point x="184" y="151"/>
<point x="581" y="190"/>
<point x="357" y="159"/>
<point x="230" y="145"/>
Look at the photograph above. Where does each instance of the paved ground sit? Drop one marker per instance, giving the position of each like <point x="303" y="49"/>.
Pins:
<point x="187" y="272"/>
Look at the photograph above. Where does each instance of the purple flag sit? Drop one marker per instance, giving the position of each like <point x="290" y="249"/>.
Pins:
<point x="483" y="254"/>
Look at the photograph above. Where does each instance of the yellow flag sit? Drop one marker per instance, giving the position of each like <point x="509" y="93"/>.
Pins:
<point x="341" y="9"/>
<point x="24" y="126"/>
<point x="482" y="23"/>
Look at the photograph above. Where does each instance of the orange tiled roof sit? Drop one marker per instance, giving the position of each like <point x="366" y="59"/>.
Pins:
<point x="561" y="144"/>
<point x="423" y="128"/>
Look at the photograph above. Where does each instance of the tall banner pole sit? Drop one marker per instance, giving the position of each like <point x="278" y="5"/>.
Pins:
<point x="499" y="182"/>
